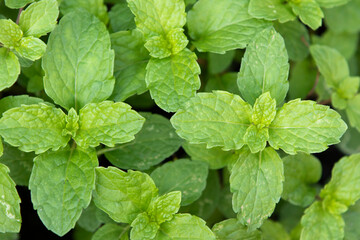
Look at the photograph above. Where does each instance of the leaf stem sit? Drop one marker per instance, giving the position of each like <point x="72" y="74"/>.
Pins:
<point x="105" y="150"/>
<point x="18" y="17"/>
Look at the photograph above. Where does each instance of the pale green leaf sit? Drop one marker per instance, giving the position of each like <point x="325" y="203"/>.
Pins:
<point x="264" y="67"/>
<point x="155" y="142"/>
<point x="303" y="76"/>
<point x="212" y="33"/>
<point x="226" y="82"/>
<point x="17" y="3"/>
<point x="256" y="138"/>
<point x="96" y="7"/>
<point x="9" y="102"/>
<point x="108" y="123"/>
<point x="306" y="127"/>
<point x="10" y="218"/>
<point x="9" y="68"/>
<point x="301" y="172"/>
<point x="184" y="227"/>
<point x="111" y="231"/>
<point x="31" y="48"/>
<point x="271" y="10"/>
<point x="220" y="62"/>
<point x="61" y="184"/>
<point x="317" y="223"/>
<point x="143" y="228"/>
<point x="183" y="175"/>
<point x="121" y="18"/>
<point x="123" y="195"/>
<point x="224" y="116"/>
<point x="35" y="127"/>
<point x="256" y="184"/>
<point x="337" y="101"/>
<point x="39" y="18"/>
<point x="264" y="111"/>
<point x="174" y="80"/>
<point x="131" y="59"/>
<point x="78" y="62"/>
<point x="353" y="111"/>
<point x="344" y="18"/>
<point x="274" y="230"/>
<point x="309" y="12"/>
<point x="231" y="229"/>
<point x="331" y="3"/>
<point x="348" y="87"/>
<point x="163" y="208"/>
<point x="323" y="90"/>
<point x="10" y="33"/>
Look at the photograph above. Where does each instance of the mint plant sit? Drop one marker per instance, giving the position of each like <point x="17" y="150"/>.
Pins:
<point x="179" y="119"/>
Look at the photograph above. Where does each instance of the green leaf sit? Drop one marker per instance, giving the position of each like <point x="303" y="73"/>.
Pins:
<point x="256" y="138"/>
<point x="10" y="217"/>
<point x="225" y="82"/>
<point x="163" y="208"/>
<point x="220" y="62"/>
<point x="212" y="33"/>
<point x="88" y="219"/>
<point x="301" y="171"/>
<point x="96" y="7"/>
<point x="183" y="175"/>
<point x="9" y="68"/>
<point x="231" y="229"/>
<point x="19" y="163"/>
<point x="264" y="111"/>
<point x="9" y="236"/>
<point x="143" y="228"/>
<point x="264" y="67"/>
<point x="296" y="38"/>
<point x="123" y="195"/>
<point x="306" y="127"/>
<point x="350" y="141"/>
<point x="331" y="3"/>
<point x="35" y="75"/>
<point x="70" y="58"/>
<point x="131" y="59"/>
<point x="17" y="3"/>
<point x="39" y="18"/>
<point x="302" y="79"/>
<point x="61" y="184"/>
<point x="108" y="123"/>
<point x="225" y="203"/>
<point x="256" y="184"/>
<point x="161" y="23"/>
<point x="174" y="80"/>
<point x="309" y="12"/>
<point x="353" y="111"/>
<point x="10" y="33"/>
<point x="155" y="142"/>
<point x="9" y="102"/>
<point x="274" y="230"/>
<point x="351" y="218"/>
<point x="111" y="231"/>
<point x="323" y="90"/>
<point x="223" y="114"/>
<point x="185" y="226"/>
<point x="348" y="87"/>
<point x="271" y="10"/>
<point x="121" y="17"/>
<point x="344" y="18"/>
<point x="317" y="223"/>
<point x="35" y="127"/>
<point x="31" y="48"/>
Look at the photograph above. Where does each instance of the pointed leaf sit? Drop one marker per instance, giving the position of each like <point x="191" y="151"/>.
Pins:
<point x="31" y="48"/>
<point x="17" y="3"/>
<point x="256" y="138"/>
<point x="143" y="228"/>
<point x="309" y="12"/>
<point x="271" y="10"/>
<point x="163" y="208"/>
<point x="9" y="68"/>
<point x="10" y="33"/>
<point x="96" y="7"/>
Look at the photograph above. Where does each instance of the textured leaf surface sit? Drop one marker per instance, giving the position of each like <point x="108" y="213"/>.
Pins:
<point x="222" y="114"/>
<point x="111" y="231"/>
<point x="35" y="127"/>
<point x="17" y="3"/>
<point x="39" y="18"/>
<point x="309" y="12"/>
<point x="183" y="227"/>
<point x="31" y="48"/>
<point x="78" y="62"/>
<point x="61" y="184"/>
<point x="123" y="195"/>
<point x="301" y="171"/>
<point x="256" y="184"/>
<point x="212" y="33"/>
<point x="96" y="7"/>
<point x="10" y="33"/>
<point x="108" y="123"/>
<point x="305" y="126"/>
<point x="9" y="102"/>
<point x="10" y="218"/>
<point x="155" y="142"/>
<point x="344" y="18"/>
<point x="264" y="67"/>
<point x="231" y="229"/>
<point x="163" y="208"/>
<point x="256" y="138"/>
<point x="271" y="10"/>
<point x="174" y="80"/>
<point x="183" y="175"/>
<point x="9" y="68"/>
<point x="131" y="59"/>
<point x="143" y="228"/>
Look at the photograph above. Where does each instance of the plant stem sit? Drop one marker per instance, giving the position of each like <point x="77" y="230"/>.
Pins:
<point x="18" y="17"/>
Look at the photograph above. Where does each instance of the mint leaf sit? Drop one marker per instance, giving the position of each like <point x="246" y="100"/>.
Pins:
<point x="274" y="230"/>
<point x="112" y="231"/>
<point x="317" y="223"/>
<point x="108" y="123"/>
<point x="10" y="218"/>
<point x="264" y="67"/>
<point x="271" y="10"/>
<point x="256" y="184"/>
<point x="39" y="18"/>
<point x="9" y="102"/>
<point x="40" y="123"/>
<point x="155" y="142"/>
<point x="90" y="79"/>
<point x="264" y="111"/>
<point x="123" y="195"/>
<point x="331" y="3"/>
<point x="9" y="68"/>
<point x="185" y="226"/>
<point x="344" y="18"/>
<point x="88" y="219"/>
<point x="353" y="111"/>
<point x="61" y="183"/>
<point x="163" y="208"/>
<point x="348" y="87"/>
<point x="303" y="76"/>
<point x="31" y="48"/>
<point x="121" y="18"/>
<point x="96" y="7"/>
<point x="308" y="11"/>
<point x="225" y="116"/>
<point x="174" y="80"/>
<point x="232" y="229"/>
<point x="305" y="126"/>
<point x="35" y="75"/>
<point x="212" y="33"/>
<point x="183" y="175"/>
<point x="143" y="228"/>
<point x="10" y="33"/>
<point x="131" y="59"/>
<point x="301" y="171"/>
<point x="256" y="138"/>
<point x="17" y="3"/>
